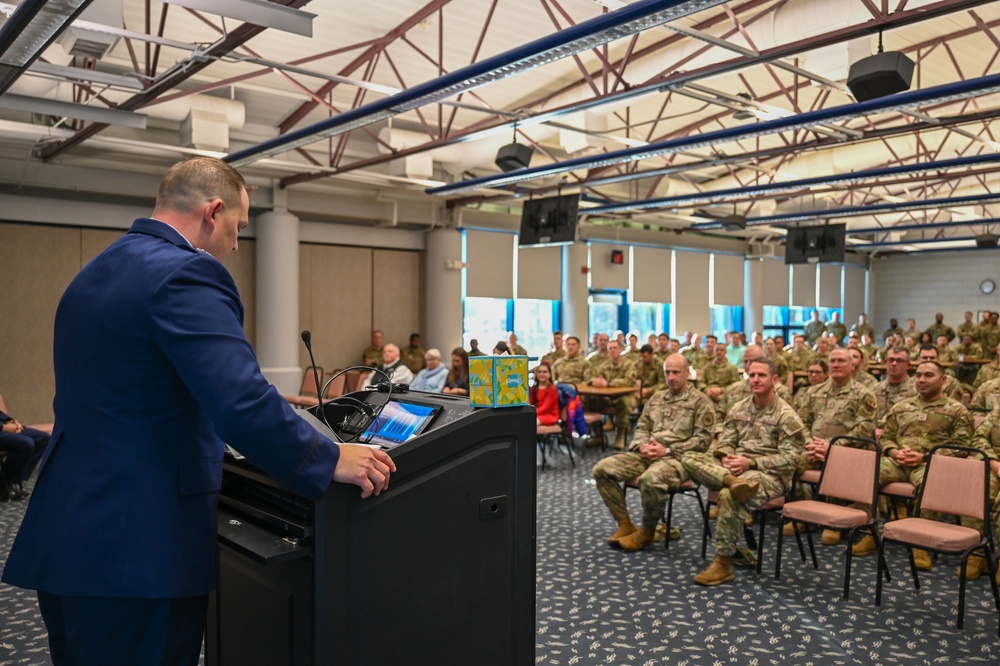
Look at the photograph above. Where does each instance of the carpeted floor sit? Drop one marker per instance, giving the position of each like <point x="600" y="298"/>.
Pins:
<point x="596" y="605"/>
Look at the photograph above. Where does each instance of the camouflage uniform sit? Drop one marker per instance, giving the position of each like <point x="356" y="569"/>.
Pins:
<point x="813" y="330"/>
<point x="870" y="352"/>
<point x="987" y="438"/>
<point x="681" y="423"/>
<point x="987" y="396"/>
<point x="737" y="392"/>
<point x="832" y="410"/>
<point x="948" y="355"/>
<point x="892" y="331"/>
<point x="554" y="356"/>
<point x="919" y="425"/>
<point x="799" y="359"/>
<point x="518" y="350"/>
<point x="413" y="358"/>
<point x="661" y="355"/>
<point x="782" y="366"/>
<point x="773" y="437"/>
<point x="651" y="376"/>
<point x="968" y="328"/>
<point x="696" y="356"/>
<point x="952" y="388"/>
<point x="986" y="373"/>
<point x="722" y="375"/>
<point x="371" y="354"/>
<point x="863" y="329"/>
<point x="597" y="357"/>
<point x="572" y="370"/>
<point x="936" y="330"/>
<point x="971" y="350"/>
<point x="620" y="375"/>
<point x="888" y="395"/>
<point x="866" y="379"/>
<point x="838" y="330"/>
<point x="989" y="338"/>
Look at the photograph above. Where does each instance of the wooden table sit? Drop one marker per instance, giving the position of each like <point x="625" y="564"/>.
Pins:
<point x="605" y="391"/>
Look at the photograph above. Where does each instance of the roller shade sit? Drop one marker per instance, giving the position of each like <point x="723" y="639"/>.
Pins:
<point x="854" y="292"/>
<point x="489" y="264"/>
<point x="728" y="280"/>
<point x="604" y="274"/>
<point x="651" y="275"/>
<point x="691" y="306"/>
<point x="775" y="276"/>
<point x="539" y="272"/>
<point x="804" y="286"/>
<point x="829" y="286"/>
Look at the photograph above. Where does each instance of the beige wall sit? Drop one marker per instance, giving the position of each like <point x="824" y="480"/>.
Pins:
<point x="339" y="288"/>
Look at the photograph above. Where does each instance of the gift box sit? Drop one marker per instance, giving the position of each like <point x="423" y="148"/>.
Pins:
<point x="498" y="381"/>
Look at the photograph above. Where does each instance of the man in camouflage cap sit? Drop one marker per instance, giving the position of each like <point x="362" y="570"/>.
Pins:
<point x="752" y="463"/>
<point x="912" y="428"/>
<point x="674" y="421"/>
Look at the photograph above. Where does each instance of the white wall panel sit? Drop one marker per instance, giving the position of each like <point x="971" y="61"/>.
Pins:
<point x="829" y="286"/>
<point x="489" y="264"/>
<point x="804" y="285"/>
<point x="539" y="272"/>
<point x="775" y="282"/>
<point x="728" y="280"/>
<point x="690" y="310"/>
<point x="651" y="275"/>
<point x="604" y="274"/>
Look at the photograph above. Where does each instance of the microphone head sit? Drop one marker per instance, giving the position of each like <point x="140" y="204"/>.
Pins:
<point x="306" y="336"/>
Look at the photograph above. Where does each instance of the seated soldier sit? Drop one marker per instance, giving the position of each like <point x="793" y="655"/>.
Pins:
<point x="741" y="389"/>
<point x="988" y="371"/>
<point x="799" y="358"/>
<point x="896" y="386"/>
<point x="673" y="422"/>
<point x="718" y="374"/>
<point x="818" y="372"/>
<point x="752" y="463"/>
<point x="649" y="374"/>
<point x="952" y="387"/>
<point x="572" y="368"/>
<point x="860" y="372"/>
<point x="987" y="438"/>
<point x="619" y="373"/>
<point x="912" y="427"/>
<point x="987" y="396"/>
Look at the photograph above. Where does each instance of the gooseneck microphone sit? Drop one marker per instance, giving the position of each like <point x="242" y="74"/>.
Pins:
<point x="307" y="339"/>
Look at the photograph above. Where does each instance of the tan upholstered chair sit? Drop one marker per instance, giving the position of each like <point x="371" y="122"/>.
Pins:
<point x="309" y="390"/>
<point x="849" y="474"/>
<point x="955" y="486"/>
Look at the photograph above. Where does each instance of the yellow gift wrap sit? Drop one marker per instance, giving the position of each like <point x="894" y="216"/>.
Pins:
<point x="498" y="381"/>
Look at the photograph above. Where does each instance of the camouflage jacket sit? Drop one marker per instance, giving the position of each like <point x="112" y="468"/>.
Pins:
<point x="987" y="435"/>
<point x="682" y="422"/>
<point x="572" y="370"/>
<point x="773" y="436"/>
<point x="986" y="373"/>
<point x="918" y="425"/>
<point x="651" y="376"/>
<point x="888" y="395"/>
<point x="799" y="359"/>
<point x="937" y="330"/>
<point x="838" y="330"/>
<point x="723" y="375"/>
<point x="987" y="396"/>
<point x="813" y="330"/>
<point x="622" y="374"/>
<point x="739" y="391"/>
<point x="833" y="410"/>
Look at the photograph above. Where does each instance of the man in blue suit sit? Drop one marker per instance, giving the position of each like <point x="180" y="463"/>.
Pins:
<point x="153" y="374"/>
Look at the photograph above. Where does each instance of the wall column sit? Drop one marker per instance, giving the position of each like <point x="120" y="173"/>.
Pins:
<point x="443" y="300"/>
<point x="278" y="331"/>
<point x="753" y="296"/>
<point x="575" y="292"/>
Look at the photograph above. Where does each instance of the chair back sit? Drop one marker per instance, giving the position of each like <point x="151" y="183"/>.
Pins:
<point x="956" y="486"/>
<point x="309" y="386"/>
<point x="335" y="386"/>
<point x="851" y="473"/>
<point x="353" y="380"/>
<point x="977" y="421"/>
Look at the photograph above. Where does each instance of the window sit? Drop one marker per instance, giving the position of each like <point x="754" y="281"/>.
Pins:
<point x="487" y="320"/>
<point x="776" y="322"/>
<point x="534" y="321"/>
<point x="726" y="318"/>
<point x="646" y="318"/>
<point x="606" y="312"/>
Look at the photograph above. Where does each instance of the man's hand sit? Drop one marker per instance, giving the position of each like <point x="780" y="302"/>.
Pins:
<point x="365" y="467"/>
<point x="652" y="450"/>
<point x="908" y="458"/>
<point x="817" y="449"/>
<point x="12" y="427"/>
<point x="736" y="464"/>
<point x="599" y="382"/>
<point x="714" y="392"/>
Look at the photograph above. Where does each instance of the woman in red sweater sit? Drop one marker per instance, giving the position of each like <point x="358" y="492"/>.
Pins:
<point x="545" y="395"/>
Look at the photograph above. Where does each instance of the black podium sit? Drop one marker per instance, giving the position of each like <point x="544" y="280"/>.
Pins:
<point x="439" y="569"/>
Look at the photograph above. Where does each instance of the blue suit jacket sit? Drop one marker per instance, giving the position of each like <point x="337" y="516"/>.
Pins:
<point x="153" y="374"/>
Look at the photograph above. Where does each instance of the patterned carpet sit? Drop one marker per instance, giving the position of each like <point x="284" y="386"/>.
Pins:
<point x="596" y="605"/>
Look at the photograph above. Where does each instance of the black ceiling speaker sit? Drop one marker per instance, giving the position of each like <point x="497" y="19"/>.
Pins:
<point x="734" y="222"/>
<point x="986" y="240"/>
<point x="880" y="75"/>
<point x="513" y="156"/>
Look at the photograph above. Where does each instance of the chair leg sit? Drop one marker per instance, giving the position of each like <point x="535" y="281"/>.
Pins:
<point x="961" y="589"/>
<point x="878" y="574"/>
<point x="569" y="448"/>
<point x="706" y="532"/>
<point x="670" y="517"/>
<point x="913" y="567"/>
<point x="847" y="562"/>
<point x="541" y="447"/>
<point x="991" y="562"/>
<point x="812" y="548"/>
<point x="760" y="541"/>
<point x="777" y="554"/>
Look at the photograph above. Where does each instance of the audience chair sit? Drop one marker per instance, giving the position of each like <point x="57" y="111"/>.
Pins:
<point x="956" y="486"/>
<point x="309" y="390"/>
<point x="595" y="427"/>
<point x="555" y="435"/>
<point x="849" y="474"/>
<point x="899" y="491"/>
<point x="689" y="489"/>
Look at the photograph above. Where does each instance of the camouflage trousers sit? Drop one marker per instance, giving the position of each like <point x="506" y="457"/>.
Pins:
<point x="623" y="407"/>
<point x="890" y="471"/>
<point x="656" y="478"/>
<point x="732" y="515"/>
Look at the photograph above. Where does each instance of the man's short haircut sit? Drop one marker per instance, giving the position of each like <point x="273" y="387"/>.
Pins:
<point x="934" y="363"/>
<point x="932" y="348"/>
<point x="196" y="181"/>
<point x="821" y="362"/>
<point x="556" y="332"/>
<point x="712" y="337"/>
<point x="899" y="349"/>
<point x="574" y="338"/>
<point x="646" y="349"/>
<point x="771" y="367"/>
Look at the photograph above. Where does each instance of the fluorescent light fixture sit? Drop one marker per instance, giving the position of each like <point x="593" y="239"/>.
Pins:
<point x="256" y="12"/>
<point x="89" y="75"/>
<point x="623" y="22"/>
<point x="851" y="178"/>
<point x="939" y="94"/>
<point x="52" y="107"/>
<point x="30" y="29"/>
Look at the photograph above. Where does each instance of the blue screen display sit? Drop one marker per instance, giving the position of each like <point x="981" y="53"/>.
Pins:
<point x="399" y="421"/>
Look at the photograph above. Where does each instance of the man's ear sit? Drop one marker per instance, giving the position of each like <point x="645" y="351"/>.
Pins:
<point x="213" y="208"/>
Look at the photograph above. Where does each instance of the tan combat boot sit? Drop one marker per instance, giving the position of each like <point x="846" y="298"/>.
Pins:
<point x="740" y="489"/>
<point x="865" y="546"/>
<point x="718" y="572"/>
<point x="637" y="540"/>
<point x="609" y="425"/>
<point x="830" y="537"/>
<point x="620" y="439"/>
<point x="975" y="567"/>
<point x="661" y="533"/>
<point x="624" y="529"/>
<point x="922" y="559"/>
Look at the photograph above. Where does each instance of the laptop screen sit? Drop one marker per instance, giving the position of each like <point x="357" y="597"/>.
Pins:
<point x="399" y="422"/>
